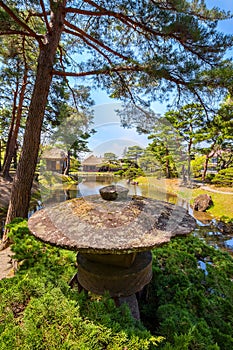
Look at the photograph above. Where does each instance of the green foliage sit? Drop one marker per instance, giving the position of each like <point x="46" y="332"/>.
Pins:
<point x="132" y="173"/>
<point x="110" y="156"/>
<point x="38" y="310"/>
<point x="224" y="177"/>
<point x="133" y="152"/>
<point x="165" y="147"/>
<point x="226" y="219"/>
<point x="189" y="306"/>
<point x="197" y="165"/>
<point x="110" y="166"/>
<point x="74" y="164"/>
<point x="191" y="296"/>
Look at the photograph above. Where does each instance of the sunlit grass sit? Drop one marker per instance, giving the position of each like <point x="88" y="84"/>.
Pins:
<point x="223" y="203"/>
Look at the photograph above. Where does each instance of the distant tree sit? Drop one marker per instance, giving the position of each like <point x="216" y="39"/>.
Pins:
<point x="217" y="133"/>
<point x="72" y="128"/>
<point x="5" y="116"/>
<point x="132" y="173"/>
<point x="197" y="165"/>
<point x="188" y="121"/>
<point x="129" y="48"/>
<point x="148" y="161"/>
<point x="225" y="158"/>
<point x="134" y="153"/>
<point x="110" y="156"/>
<point x="165" y="147"/>
<point x="16" y="73"/>
<point x="224" y="177"/>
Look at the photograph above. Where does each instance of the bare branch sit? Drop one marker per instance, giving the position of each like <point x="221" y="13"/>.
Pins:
<point x="67" y="81"/>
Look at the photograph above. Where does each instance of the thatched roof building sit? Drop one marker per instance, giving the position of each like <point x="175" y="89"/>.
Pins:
<point x="92" y="163"/>
<point x="56" y="159"/>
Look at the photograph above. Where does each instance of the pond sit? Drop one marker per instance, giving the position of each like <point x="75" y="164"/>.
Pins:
<point x="206" y="225"/>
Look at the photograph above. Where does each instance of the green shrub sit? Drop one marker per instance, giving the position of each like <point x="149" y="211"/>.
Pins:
<point x="224" y="177"/>
<point x="188" y="307"/>
<point x="38" y="309"/>
<point x="187" y="302"/>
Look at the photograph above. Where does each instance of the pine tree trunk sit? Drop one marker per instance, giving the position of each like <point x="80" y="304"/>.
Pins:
<point x="67" y="169"/>
<point x="168" y="174"/>
<point x="189" y="160"/>
<point x="6" y="165"/>
<point x="12" y="142"/>
<point x="205" y="168"/>
<point x="22" y="183"/>
<point x="0" y="155"/>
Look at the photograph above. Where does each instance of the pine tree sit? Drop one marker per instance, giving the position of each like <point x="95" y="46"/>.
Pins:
<point x="129" y="48"/>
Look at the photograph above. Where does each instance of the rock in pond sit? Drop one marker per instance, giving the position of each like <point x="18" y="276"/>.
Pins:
<point x="202" y="202"/>
<point x="113" y="192"/>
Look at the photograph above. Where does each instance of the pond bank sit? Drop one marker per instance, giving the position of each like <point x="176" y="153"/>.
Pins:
<point x="221" y="196"/>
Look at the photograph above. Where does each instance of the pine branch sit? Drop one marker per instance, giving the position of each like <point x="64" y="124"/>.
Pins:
<point x="15" y="32"/>
<point x="86" y="12"/>
<point x="18" y="20"/>
<point x="83" y="34"/>
<point x="97" y="71"/>
<point x="45" y="16"/>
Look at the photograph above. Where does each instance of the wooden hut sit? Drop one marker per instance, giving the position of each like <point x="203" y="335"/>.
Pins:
<point x="56" y="159"/>
<point x="92" y="163"/>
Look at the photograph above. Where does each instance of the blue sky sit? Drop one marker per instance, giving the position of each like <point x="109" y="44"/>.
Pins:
<point x="225" y="26"/>
<point x="110" y="136"/>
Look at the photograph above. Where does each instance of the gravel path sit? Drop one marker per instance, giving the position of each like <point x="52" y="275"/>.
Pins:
<point x="207" y="188"/>
<point x="6" y="267"/>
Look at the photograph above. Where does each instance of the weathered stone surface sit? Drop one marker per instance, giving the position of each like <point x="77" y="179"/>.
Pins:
<point x="122" y="260"/>
<point x="202" y="202"/>
<point x="132" y="302"/>
<point x="93" y="225"/>
<point x="113" y="192"/>
<point x="225" y="228"/>
<point x="118" y="281"/>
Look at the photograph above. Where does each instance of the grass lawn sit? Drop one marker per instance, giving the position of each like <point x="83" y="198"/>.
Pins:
<point x="223" y="203"/>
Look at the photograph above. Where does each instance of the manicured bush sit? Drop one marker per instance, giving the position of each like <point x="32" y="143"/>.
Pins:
<point x="38" y="309"/>
<point x="189" y="304"/>
<point x="224" y="177"/>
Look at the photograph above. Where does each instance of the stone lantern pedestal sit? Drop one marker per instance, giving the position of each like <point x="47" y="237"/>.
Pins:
<point x="113" y="239"/>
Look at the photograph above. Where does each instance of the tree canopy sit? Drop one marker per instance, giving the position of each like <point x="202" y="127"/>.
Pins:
<point x="135" y="50"/>
<point x="154" y="45"/>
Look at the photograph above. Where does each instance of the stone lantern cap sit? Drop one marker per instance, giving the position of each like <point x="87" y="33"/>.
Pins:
<point x="113" y="192"/>
<point x="96" y="226"/>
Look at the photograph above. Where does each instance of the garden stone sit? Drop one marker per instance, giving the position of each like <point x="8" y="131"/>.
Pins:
<point x="202" y="202"/>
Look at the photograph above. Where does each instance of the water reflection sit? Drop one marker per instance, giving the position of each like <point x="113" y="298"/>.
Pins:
<point x="206" y="225"/>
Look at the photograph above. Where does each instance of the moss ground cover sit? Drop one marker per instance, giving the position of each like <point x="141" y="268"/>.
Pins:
<point x="191" y="295"/>
<point x="189" y="304"/>
<point x="38" y="310"/>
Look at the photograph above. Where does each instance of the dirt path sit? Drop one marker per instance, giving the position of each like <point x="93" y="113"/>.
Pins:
<point x="207" y="188"/>
<point x="5" y="191"/>
<point x="6" y="267"/>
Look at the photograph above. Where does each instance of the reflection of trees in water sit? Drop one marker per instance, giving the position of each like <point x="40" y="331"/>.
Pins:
<point x="155" y="193"/>
<point x="213" y="237"/>
<point x="206" y="228"/>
